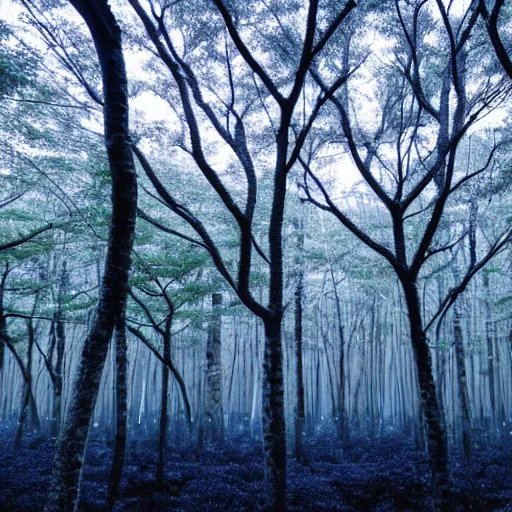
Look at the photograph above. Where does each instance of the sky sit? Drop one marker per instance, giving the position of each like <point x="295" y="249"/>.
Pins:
<point x="155" y="109"/>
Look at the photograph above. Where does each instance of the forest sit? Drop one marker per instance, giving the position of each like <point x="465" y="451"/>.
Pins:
<point x="255" y="255"/>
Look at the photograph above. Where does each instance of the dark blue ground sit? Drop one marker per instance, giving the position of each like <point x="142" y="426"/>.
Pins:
<point x="386" y="476"/>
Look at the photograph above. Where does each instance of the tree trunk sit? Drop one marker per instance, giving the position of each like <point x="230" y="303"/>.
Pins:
<point x="460" y="361"/>
<point x="214" y="413"/>
<point x="342" y="423"/>
<point x="3" y="323"/>
<point x="121" y="414"/>
<point x="342" y="408"/>
<point x="300" y="419"/>
<point x="273" y="419"/>
<point x="60" y="343"/>
<point x="57" y="373"/>
<point x="164" y="406"/>
<point x="232" y="377"/>
<point x="255" y="388"/>
<point x="28" y="412"/>
<point x="2" y="352"/>
<point x="436" y="435"/>
<point x="56" y="408"/>
<point x="490" y="355"/>
<point x="68" y="463"/>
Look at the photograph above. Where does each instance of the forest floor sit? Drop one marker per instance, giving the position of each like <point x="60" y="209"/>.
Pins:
<point x="383" y="476"/>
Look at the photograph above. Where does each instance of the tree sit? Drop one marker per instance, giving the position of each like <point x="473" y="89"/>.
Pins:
<point x="491" y="19"/>
<point x="220" y="138"/>
<point x="214" y="414"/>
<point x="121" y="412"/>
<point x="406" y="106"/>
<point x="161" y="289"/>
<point x="28" y="415"/>
<point x="235" y="137"/>
<point x="300" y="415"/>
<point x="64" y="493"/>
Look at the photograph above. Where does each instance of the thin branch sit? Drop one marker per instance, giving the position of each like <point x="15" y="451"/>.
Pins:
<point x="170" y="231"/>
<point x="452" y="295"/>
<point x="491" y="22"/>
<point x="24" y="239"/>
<point x="246" y="53"/>
<point x="332" y="208"/>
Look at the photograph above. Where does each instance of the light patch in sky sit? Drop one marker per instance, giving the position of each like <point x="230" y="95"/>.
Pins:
<point x="155" y="108"/>
<point x="9" y="11"/>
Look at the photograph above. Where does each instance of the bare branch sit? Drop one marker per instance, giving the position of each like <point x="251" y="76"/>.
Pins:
<point x="246" y="53"/>
<point x="26" y="238"/>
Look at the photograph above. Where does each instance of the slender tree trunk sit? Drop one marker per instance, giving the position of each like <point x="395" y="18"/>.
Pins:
<point x="462" y="382"/>
<point x="490" y="355"/>
<point x="57" y="374"/>
<point x="163" y="427"/>
<point x="22" y="419"/>
<point x="164" y="407"/>
<point x="332" y="385"/>
<point x="342" y="407"/>
<point x="2" y="346"/>
<point x="318" y="388"/>
<point x="173" y="369"/>
<point x="255" y="389"/>
<point x="60" y="343"/>
<point x="3" y="323"/>
<point x="300" y="419"/>
<point x="5" y="339"/>
<point x="68" y="463"/>
<point x="232" y="378"/>
<point x="56" y="407"/>
<point x="441" y="349"/>
<point x="121" y="413"/>
<point x="28" y="411"/>
<point x="214" y="413"/>
<point x="300" y="413"/>
<point x="436" y="435"/>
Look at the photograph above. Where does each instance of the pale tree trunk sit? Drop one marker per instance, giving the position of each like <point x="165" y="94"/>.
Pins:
<point x="342" y="423"/>
<point x="256" y="387"/>
<point x="490" y="354"/>
<point x="342" y="407"/>
<point x="64" y="492"/>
